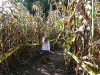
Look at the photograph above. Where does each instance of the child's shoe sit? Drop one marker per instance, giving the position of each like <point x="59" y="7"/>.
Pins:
<point x="43" y="61"/>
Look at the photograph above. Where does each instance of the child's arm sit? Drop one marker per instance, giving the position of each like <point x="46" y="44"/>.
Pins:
<point x="49" y="46"/>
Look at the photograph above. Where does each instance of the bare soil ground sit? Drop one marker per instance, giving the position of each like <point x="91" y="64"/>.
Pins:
<point x="34" y="66"/>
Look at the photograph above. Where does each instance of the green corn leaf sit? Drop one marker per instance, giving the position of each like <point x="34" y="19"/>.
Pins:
<point x="60" y="24"/>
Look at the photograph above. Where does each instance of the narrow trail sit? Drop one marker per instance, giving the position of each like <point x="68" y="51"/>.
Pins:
<point x="34" y="66"/>
<point x="51" y="67"/>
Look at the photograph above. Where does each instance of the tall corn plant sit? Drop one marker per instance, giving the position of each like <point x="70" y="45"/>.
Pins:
<point x="68" y="47"/>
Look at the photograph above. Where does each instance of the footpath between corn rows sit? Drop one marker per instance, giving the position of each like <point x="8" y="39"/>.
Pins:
<point x="34" y="66"/>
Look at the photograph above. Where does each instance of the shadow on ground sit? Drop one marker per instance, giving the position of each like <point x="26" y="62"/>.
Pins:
<point x="34" y="66"/>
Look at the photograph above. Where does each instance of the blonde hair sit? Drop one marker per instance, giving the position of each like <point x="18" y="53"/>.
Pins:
<point x="45" y="39"/>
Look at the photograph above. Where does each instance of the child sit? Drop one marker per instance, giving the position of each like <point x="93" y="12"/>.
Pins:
<point x="45" y="49"/>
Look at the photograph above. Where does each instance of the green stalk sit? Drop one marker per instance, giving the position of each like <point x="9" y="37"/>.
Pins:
<point x="92" y="18"/>
<point x="92" y="25"/>
<point x="93" y="51"/>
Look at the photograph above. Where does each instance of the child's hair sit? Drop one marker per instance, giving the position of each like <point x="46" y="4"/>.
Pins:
<point x="45" y="39"/>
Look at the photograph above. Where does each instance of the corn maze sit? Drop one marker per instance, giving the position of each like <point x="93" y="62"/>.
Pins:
<point x="72" y="27"/>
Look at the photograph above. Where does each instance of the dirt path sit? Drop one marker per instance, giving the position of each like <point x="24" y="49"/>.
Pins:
<point x="34" y="66"/>
<point x="52" y="67"/>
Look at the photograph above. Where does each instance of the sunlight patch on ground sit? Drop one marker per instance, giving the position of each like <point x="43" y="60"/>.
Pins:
<point x="44" y="72"/>
<point x="50" y="63"/>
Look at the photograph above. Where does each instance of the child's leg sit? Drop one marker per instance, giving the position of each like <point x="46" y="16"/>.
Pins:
<point x="48" y="58"/>
<point x="43" y="59"/>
